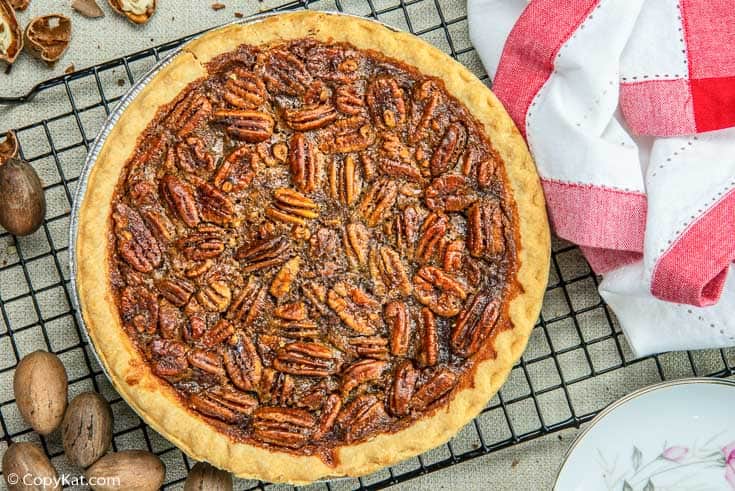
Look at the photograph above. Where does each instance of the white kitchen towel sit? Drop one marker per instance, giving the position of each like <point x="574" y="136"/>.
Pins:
<point x="628" y="108"/>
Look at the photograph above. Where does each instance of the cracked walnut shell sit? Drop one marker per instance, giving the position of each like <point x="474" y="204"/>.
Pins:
<point x="136" y="11"/>
<point x="48" y="36"/>
<point x="11" y="36"/>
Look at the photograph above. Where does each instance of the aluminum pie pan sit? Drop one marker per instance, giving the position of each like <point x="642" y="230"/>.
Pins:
<point x="93" y="155"/>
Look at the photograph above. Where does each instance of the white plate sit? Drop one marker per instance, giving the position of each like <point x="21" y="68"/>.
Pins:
<point x="677" y="435"/>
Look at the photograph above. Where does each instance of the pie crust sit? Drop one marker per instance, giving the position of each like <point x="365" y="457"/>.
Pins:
<point x="158" y="403"/>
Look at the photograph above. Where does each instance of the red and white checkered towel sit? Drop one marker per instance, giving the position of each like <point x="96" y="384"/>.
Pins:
<point x="628" y="107"/>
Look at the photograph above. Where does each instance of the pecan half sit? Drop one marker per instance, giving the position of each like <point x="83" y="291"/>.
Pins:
<point x="450" y="148"/>
<point x="244" y="89"/>
<point x="215" y="296"/>
<point x="386" y="103"/>
<point x="378" y="201"/>
<point x="291" y="311"/>
<point x="344" y="180"/>
<point x="439" y="291"/>
<point x="374" y="347"/>
<point x="454" y="257"/>
<point x="361" y="372"/>
<point x="348" y="100"/>
<point x="429" y="95"/>
<point x="404" y="384"/>
<point x="474" y="325"/>
<point x="175" y="290"/>
<point x="206" y="361"/>
<point x="179" y="196"/>
<point x="159" y="225"/>
<point x="291" y="207"/>
<point x="276" y="387"/>
<point x="218" y="333"/>
<point x="190" y="156"/>
<point x="237" y="171"/>
<point x="328" y="416"/>
<point x="264" y="254"/>
<point x="243" y="364"/>
<point x="285" y="277"/>
<point x="358" y="310"/>
<point x="432" y="231"/>
<point x="248" y="303"/>
<point x="352" y="134"/>
<point x="139" y="309"/>
<point x="309" y="359"/>
<point x="433" y="389"/>
<point x="206" y="243"/>
<point x="406" y="229"/>
<point x="224" y="403"/>
<point x="283" y="427"/>
<point x="485" y="229"/>
<point x="429" y="339"/>
<point x="391" y="269"/>
<point x="356" y="240"/>
<point x="168" y="358"/>
<point x="305" y="163"/>
<point x="363" y="414"/>
<point x="400" y="170"/>
<point x="135" y="242"/>
<point x="399" y="322"/>
<point x="310" y="117"/>
<point x="284" y="73"/>
<point x="301" y="329"/>
<point x="214" y="206"/>
<point x="170" y="320"/>
<point x="450" y="192"/>
<point x="246" y="124"/>
<point x="316" y="294"/>
<point x="188" y="113"/>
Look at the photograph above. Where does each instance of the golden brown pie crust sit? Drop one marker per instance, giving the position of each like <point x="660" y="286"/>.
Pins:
<point x="157" y="402"/>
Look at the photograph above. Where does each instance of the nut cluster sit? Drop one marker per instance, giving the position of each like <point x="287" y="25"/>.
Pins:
<point x="312" y="245"/>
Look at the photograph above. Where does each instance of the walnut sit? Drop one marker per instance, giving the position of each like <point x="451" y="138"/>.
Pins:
<point x="47" y="37"/>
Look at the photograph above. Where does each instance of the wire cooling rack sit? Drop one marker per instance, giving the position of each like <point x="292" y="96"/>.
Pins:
<point x="576" y="363"/>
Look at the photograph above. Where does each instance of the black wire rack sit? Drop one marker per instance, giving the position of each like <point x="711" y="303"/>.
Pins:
<point x="576" y="363"/>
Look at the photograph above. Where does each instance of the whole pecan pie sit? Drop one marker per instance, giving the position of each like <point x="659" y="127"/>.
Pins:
<point x="311" y="247"/>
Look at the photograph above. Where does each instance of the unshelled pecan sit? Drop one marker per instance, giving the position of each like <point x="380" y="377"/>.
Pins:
<point x="135" y="242"/>
<point x="283" y="427"/>
<point x="236" y="171"/>
<point x="264" y="254"/>
<point x="485" y="229"/>
<point x="433" y="231"/>
<point x="356" y="241"/>
<point x="291" y="207"/>
<point x="276" y="387"/>
<point x="206" y="361"/>
<point x="439" y="291"/>
<point x="404" y="385"/>
<point x="378" y="201"/>
<point x="450" y="148"/>
<point x="361" y="372"/>
<point x="474" y="324"/>
<point x="175" y="290"/>
<point x="224" y="403"/>
<point x="310" y="117"/>
<point x="428" y="338"/>
<point x="180" y="197"/>
<point x="285" y="277"/>
<point x="244" y="89"/>
<point x="305" y="163"/>
<point x="358" y="310"/>
<point x="309" y="359"/>
<point x="344" y="180"/>
<point x="386" y="103"/>
<point x="328" y="416"/>
<point x="139" y="309"/>
<point x="374" y="347"/>
<point x="450" y="192"/>
<point x="218" y="333"/>
<point x="206" y="242"/>
<point x="247" y="125"/>
<point x="440" y="383"/>
<point x="243" y="364"/>
<point x="398" y="319"/>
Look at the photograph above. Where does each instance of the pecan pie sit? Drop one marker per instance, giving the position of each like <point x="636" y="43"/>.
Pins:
<point x="311" y="247"/>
